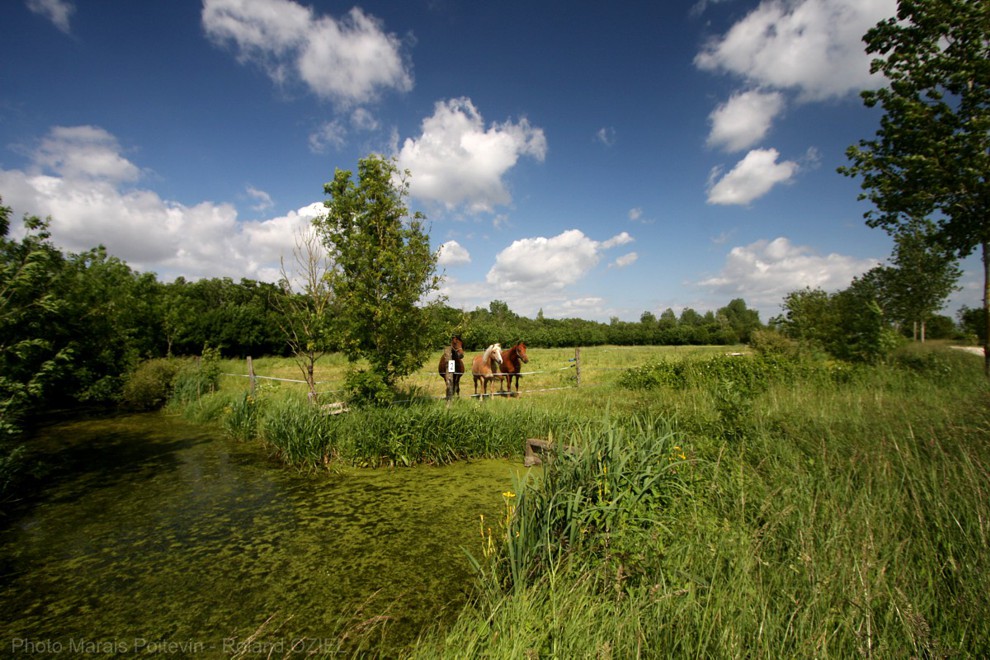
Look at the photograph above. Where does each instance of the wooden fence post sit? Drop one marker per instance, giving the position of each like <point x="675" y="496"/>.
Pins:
<point x="253" y="378"/>
<point x="577" y="365"/>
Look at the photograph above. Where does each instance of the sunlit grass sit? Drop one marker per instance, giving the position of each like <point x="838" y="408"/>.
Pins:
<point x="806" y="509"/>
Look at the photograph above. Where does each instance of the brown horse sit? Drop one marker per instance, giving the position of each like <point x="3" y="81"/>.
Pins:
<point x="453" y="352"/>
<point x="511" y="364"/>
<point x="485" y="367"/>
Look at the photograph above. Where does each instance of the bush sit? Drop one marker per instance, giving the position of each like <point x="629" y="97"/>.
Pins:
<point x="770" y="343"/>
<point x="150" y="386"/>
<point x="367" y="388"/>
<point x="197" y="378"/>
<point x="655" y="374"/>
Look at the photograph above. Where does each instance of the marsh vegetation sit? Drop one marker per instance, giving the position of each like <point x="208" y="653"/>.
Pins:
<point x="776" y="503"/>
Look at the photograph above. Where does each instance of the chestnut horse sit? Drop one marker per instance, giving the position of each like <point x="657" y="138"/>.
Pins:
<point x="510" y="364"/>
<point x="453" y="352"/>
<point x="485" y="368"/>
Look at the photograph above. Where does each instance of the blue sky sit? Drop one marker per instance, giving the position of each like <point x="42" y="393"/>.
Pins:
<point x="592" y="160"/>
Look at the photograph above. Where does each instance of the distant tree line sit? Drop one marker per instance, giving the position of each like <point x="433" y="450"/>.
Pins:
<point x="732" y="324"/>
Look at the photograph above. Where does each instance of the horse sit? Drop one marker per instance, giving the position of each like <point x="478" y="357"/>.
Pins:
<point x="485" y="368"/>
<point x="453" y="352"/>
<point x="511" y="366"/>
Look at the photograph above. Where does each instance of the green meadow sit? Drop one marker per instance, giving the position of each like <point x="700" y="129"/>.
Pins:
<point x="699" y="502"/>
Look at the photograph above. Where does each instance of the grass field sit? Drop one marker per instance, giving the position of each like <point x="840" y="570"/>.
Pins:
<point x="712" y="506"/>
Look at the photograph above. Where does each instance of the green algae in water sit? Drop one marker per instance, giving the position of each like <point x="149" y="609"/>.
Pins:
<point x="156" y="532"/>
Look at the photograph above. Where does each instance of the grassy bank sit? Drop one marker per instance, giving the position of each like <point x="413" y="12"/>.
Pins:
<point x="713" y="506"/>
<point x="822" y="512"/>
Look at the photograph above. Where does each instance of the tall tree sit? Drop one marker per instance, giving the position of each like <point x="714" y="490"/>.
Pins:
<point x="919" y="280"/>
<point x="31" y="305"/>
<point x="385" y="269"/>
<point x="931" y="155"/>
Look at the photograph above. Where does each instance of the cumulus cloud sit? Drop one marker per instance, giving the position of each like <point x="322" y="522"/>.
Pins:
<point x="751" y="178"/>
<point x="57" y="11"/>
<point x="744" y="119"/>
<point x="350" y="60"/>
<point x="453" y="253"/>
<point x="457" y="161"/>
<point x="78" y="176"/>
<point x="811" y="46"/>
<point x="549" y="264"/>
<point x="764" y="272"/>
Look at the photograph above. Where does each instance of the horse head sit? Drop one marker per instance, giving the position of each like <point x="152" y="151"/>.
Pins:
<point x="456" y="348"/>
<point x="521" y="352"/>
<point x="494" y="352"/>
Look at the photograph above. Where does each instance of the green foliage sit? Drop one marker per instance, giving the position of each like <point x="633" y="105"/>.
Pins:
<point x="240" y="419"/>
<point x="598" y="499"/>
<point x="931" y="154"/>
<point x="197" y="378"/>
<point x="365" y="387"/>
<point x="844" y="521"/>
<point x="773" y="344"/>
<point x="385" y="269"/>
<point x="149" y="386"/>
<point x="850" y="324"/>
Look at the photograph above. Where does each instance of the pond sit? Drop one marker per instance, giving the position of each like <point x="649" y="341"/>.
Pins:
<point x="155" y="535"/>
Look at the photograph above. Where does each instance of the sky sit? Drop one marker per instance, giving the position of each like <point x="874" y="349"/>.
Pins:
<point x="587" y="159"/>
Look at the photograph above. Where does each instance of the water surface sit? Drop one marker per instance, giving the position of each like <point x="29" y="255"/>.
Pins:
<point x="153" y="534"/>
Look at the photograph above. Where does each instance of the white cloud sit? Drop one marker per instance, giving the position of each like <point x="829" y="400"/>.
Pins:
<point x="350" y="60"/>
<point x="264" y="199"/>
<point x="84" y="152"/>
<point x="744" y="119"/>
<point x="751" y="178"/>
<point x="635" y="214"/>
<point x="812" y="46"/>
<point x="619" y="239"/>
<point x="453" y="253"/>
<point x="606" y="135"/>
<point x="457" y="161"/>
<point x="549" y="264"/>
<point x="79" y="178"/>
<point x="762" y="273"/>
<point x="329" y="134"/>
<point x="363" y="120"/>
<point x="57" y="11"/>
<point x="624" y="260"/>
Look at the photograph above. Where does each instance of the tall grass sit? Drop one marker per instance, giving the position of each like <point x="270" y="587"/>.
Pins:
<point x="709" y="506"/>
<point x="804" y="515"/>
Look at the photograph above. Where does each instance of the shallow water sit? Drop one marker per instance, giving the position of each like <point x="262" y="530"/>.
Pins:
<point x="156" y="535"/>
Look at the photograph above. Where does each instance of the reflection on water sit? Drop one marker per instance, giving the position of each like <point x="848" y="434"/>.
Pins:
<point x="158" y="532"/>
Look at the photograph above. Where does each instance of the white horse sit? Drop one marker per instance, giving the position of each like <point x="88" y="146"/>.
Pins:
<point x="485" y="367"/>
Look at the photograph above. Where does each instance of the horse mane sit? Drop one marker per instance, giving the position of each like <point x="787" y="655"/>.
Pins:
<point x="488" y="352"/>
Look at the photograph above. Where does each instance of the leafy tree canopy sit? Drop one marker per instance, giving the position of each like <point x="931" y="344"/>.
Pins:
<point x="384" y="269"/>
<point x="931" y="156"/>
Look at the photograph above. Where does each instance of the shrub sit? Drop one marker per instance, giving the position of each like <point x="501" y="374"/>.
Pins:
<point x="150" y="386"/>
<point x="366" y="387"/>
<point x="197" y="378"/>
<point x="770" y="343"/>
